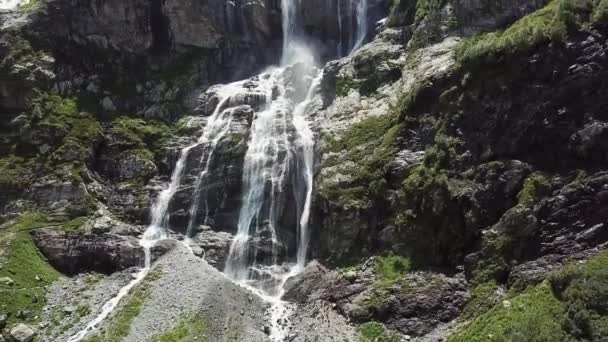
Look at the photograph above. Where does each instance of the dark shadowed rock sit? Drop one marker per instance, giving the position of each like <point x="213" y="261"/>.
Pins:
<point x="299" y="288"/>
<point x="76" y="252"/>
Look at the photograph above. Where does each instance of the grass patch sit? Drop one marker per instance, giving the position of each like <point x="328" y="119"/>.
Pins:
<point x="23" y="263"/>
<point x="344" y="85"/>
<point x="552" y="23"/>
<point x="531" y="316"/>
<point x="483" y="298"/>
<point x="583" y="288"/>
<point x="194" y="328"/>
<point x="389" y="269"/>
<point x="571" y="306"/>
<point x="376" y="332"/>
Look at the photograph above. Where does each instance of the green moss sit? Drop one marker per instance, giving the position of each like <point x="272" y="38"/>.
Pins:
<point x="483" y="298"/>
<point x="390" y="268"/>
<point x="426" y="7"/>
<point x="57" y="121"/>
<point x="530" y="316"/>
<point x="376" y="332"/>
<point x="83" y="310"/>
<point x="344" y="85"/>
<point x="25" y="265"/>
<point x="552" y="23"/>
<point x="535" y="187"/>
<point x="15" y="172"/>
<point x="190" y="329"/>
<point x="138" y="134"/>
<point x="365" y="149"/>
<point x="75" y="224"/>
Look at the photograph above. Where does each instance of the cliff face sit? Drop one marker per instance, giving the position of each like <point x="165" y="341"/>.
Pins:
<point x="460" y="164"/>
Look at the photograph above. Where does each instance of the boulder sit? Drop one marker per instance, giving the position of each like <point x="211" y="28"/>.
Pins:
<point x="22" y="333"/>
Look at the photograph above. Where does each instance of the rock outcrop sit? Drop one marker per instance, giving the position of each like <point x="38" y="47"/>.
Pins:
<point x="75" y="252"/>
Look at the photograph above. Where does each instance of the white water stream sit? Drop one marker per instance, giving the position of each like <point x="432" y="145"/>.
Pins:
<point x="280" y="151"/>
<point x="12" y="4"/>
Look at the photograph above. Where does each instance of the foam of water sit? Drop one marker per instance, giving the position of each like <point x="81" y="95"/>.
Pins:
<point x="280" y="139"/>
<point x="12" y="4"/>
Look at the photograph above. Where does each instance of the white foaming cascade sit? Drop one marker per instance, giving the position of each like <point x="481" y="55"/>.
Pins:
<point x="277" y="170"/>
<point x="281" y="151"/>
<point x="217" y="126"/>
<point x="12" y="4"/>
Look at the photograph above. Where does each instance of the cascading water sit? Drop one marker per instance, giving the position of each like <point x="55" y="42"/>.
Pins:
<point x="278" y="166"/>
<point x="216" y="128"/>
<point x="12" y="4"/>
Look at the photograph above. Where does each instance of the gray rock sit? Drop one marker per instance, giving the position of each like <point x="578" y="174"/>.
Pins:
<point x="22" y="333"/>
<point x="76" y="252"/>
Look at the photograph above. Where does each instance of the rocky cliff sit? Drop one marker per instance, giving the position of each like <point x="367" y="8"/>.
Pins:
<point x="460" y="187"/>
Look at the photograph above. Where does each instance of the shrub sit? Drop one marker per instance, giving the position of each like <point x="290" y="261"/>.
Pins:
<point x="376" y="332"/>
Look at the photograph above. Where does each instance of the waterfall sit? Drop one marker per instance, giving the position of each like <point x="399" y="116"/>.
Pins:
<point x="361" y="17"/>
<point x="277" y="168"/>
<point x="12" y="4"/>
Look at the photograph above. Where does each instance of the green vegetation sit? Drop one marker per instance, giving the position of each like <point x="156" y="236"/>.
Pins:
<point x="344" y="85"/>
<point x="426" y="205"/>
<point x="530" y="316"/>
<point x="188" y="330"/>
<point x="390" y="268"/>
<point x="535" y="187"/>
<point x="120" y="324"/>
<point x="571" y="305"/>
<point x="584" y="291"/>
<point x="15" y="172"/>
<point x="365" y="149"/>
<point x="552" y="23"/>
<point x="376" y="332"/>
<point x="146" y="137"/>
<point x="425" y="7"/>
<point x="23" y="263"/>
<point x="31" y="5"/>
<point x="483" y="298"/>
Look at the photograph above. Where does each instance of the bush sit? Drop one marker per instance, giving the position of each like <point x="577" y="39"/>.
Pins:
<point x="390" y="268"/>
<point x="584" y="291"/>
<point x="531" y="316"/>
<point x="376" y="332"/>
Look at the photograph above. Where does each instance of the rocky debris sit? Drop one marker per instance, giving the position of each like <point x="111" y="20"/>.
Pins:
<point x="84" y="295"/>
<point x="77" y="252"/>
<point x="187" y="285"/>
<point x="320" y="322"/>
<point x="22" y="333"/>
<point x="416" y="304"/>
<point x="3" y="321"/>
